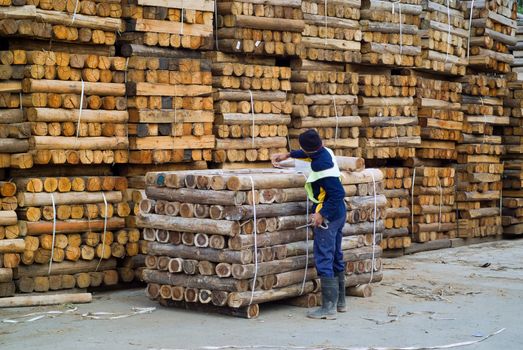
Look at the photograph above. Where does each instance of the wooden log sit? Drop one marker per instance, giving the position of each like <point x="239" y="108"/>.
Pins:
<point x="209" y="254"/>
<point x="43" y="300"/>
<point x="82" y="143"/>
<point x="194" y="281"/>
<point x="71" y="226"/>
<point x="72" y="87"/>
<point x="251" y="311"/>
<point x="6" y="275"/>
<point x="194" y="225"/>
<point x="196" y="196"/>
<point x="12" y="246"/>
<point x="26" y="199"/>
<point x="65" y="268"/>
<point x="362" y="291"/>
<point x="68" y="115"/>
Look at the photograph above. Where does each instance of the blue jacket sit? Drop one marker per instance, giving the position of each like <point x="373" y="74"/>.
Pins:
<point x="328" y="191"/>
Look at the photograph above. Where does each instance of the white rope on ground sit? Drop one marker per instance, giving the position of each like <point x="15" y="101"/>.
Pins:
<point x="105" y="232"/>
<point x="374" y="229"/>
<point x="255" y="242"/>
<point x="35" y="316"/>
<point x="54" y="234"/>
<point x="116" y="316"/>
<point x="81" y="108"/>
<point x="470" y="29"/>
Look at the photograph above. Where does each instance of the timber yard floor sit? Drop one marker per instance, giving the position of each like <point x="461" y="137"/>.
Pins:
<point x="427" y="299"/>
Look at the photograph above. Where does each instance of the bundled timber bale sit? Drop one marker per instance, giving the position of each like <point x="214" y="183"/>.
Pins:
<point x="11" y="246"/>
<point x="390" y="32"/>
<point x="440" y="117"/>
<point x="251" y="101"/>
<point x="444" y="38"/>
<point x="332" y="31"/>
<point x="389" y="114"/>
<point x="172" y="24"/>
<point x="397" y="183"/>
<point x="324" y="98"/>
<point x="208" y="259"/>
<point x="433" y="207"/>
<point x="492" y="32"/>
<point x="273" y="28"/>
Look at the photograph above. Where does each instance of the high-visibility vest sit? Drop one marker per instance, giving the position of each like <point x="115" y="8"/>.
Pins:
<point x="316" y="175"/>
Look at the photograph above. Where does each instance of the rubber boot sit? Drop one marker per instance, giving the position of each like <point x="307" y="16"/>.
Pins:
<point x="341" y="306"/>
<point x="329" y="297"/>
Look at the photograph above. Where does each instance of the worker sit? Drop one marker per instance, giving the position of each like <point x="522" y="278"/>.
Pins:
<point x="325" y="191"/>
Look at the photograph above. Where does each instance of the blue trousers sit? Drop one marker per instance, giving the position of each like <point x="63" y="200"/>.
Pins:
<point x="328" y="256"/>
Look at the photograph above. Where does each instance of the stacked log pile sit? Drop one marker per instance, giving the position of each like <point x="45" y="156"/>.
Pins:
<point x="272" y="27"/>
<point x="208" y="228"/>
<point x="390" y="32"/>
<point x="74" y="232"/>
<point x="324" y="97"/>
<point x="332" y="31"/>
<point x="398" y="186"/>
<point x="175" y="24"/>
<point x="433" y="206"/>
<point x="492" y="32"/>
<point x="440" y="118"/>
<point x="479" y="166"/>
<point x="517" y="49"/>
<point x="252" y="108"/>
<point x="444" y="38"/>
<point x="389" y="114"/>
<point x="10" y="245"/>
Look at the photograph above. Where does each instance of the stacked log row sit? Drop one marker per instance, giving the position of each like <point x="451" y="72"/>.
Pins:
<point x="332" y="31"/>
<point x="252" y="108"/>
<point x="324" y="97"/>
<point x="390" y="32"/>
<point x="10" y="245"/>
<point x="479" y="166"/>
<point x="492" y="32"/>
<point x="206" y="230"/>
<point x="14" y="132"/>
<point x="434" y="203"/>
<point x="173" y="23"/>
<point x="272" y="27"/>
<point x="440" y="118"/>
<point x="517" y="49"/>
<point x="76" y="107"/>
<point x="73" y="228"/>
<point x="398" y="185"/>
<point x="170" y="107"/>
<point x="389" y="114"/>
<point x="85" y="22"/>
<point x="444" y="38"/>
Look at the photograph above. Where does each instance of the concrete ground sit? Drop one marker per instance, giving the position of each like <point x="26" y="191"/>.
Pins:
<point x="427" y="299"/>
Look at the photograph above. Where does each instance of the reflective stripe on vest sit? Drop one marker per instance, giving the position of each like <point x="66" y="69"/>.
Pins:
<point x="316" y="175"/>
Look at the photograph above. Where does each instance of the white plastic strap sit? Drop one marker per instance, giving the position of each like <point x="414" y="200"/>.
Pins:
<point x="470" y="28"/>
<point x="252" y="114"/>
<point x="337" y="120"/>
<point x="448" y="32"/>
<point x="374" y="228"/>
<point x="412" y="201"/>
<point x="216" y="24"/>
<point x="105" y="231"/>
<point x="501" y="197"/>
<point x="74" y="12"/>
<point x="401" y="24"/>
<point x="306" y="245"/>
<point x="440" y="202"/>
<point x="54" y="234"/>
<point x="181" y="20"/>
<point x="255" y="241"/>
<point x="81" y="108"/>
<point x="325" y="15"/>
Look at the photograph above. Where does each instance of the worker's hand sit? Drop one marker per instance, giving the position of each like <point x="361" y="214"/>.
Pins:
<point x="279" y="157"/>
<point x="317" y="219"/>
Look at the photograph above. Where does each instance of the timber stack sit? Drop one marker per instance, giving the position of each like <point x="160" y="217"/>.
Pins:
<point x="480" y="167"/>
<point x="10" y="244"/>
<point x="444" y="38"/>
<point x="397" y="183"/>
<point x="252" y="109"/>
<point x="332" y="31"/>
<point x="389" y="114"/>
<point x="492" y="31"/>
<point x="324" y="98"/>
<point x="390" y="32"/>
<point x="208" y="229"/>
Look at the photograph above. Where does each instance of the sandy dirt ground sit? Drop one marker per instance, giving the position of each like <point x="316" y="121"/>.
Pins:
<point x="427" y="299"/>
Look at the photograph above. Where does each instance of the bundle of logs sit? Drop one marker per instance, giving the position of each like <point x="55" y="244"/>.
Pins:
<point x="390" y="32"/>
<point x="492" y="31"/>
<point x="208" y="229"/>
<point x="170" y="106"/>
<point x="171" y="23"/>
<point x="324" y="97"/>
<point x="252" y="108"/>
<point x="332" y="31"/>
<point x="389" y="114"/>
<point x="433" y="206"/>
<point x="479" y="166"/>
<point x="444" y="37"/>
<point x="74" y="231"/>
<point x="398" y="185"/>
<point x="440" y="118"/>
<point x="271" y="27"/>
